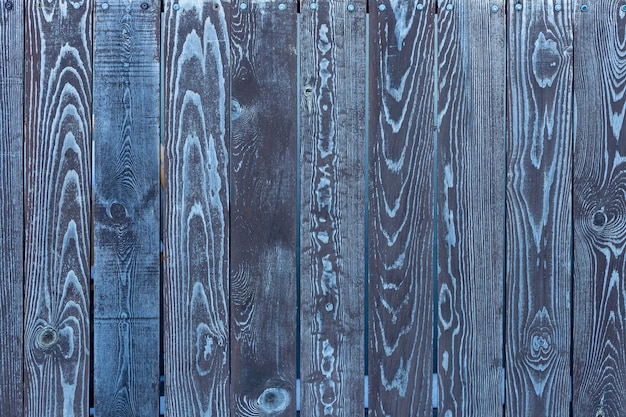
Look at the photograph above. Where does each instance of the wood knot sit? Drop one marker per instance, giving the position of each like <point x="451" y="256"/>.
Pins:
<point x="117" y="212"/>
<point x="599" y="219"/>
<point x="273" y="400"/>
<point x="47" y="337"/>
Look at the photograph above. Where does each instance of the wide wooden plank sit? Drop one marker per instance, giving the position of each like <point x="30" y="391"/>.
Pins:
<point x="11" y="207"/>
<point x="126" y="209"/>
<point x="264" y="112"/>
<point x="58" y="72"/>
<point x="196" y="224"/>
<point x="332" y="239"/>
<point x="538" y="208"/>
<point x="401" y="218"/>
<point x="599" y="362"/>
<point x="470" y="199"/>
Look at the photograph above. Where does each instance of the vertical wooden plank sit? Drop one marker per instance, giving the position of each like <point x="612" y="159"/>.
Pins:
<point x="401" y="159"/>
<point x="538" y="210"/>
<point x="470" y="184"/>
<point x="599" y="362"/>
<point x="58" y="74"/>
<point x="332" y="240"/>
<point x="11" y="207"/>
<point x="263" y="203"/>
<point x="196" y="89"/>
<point x="126" y="208"/>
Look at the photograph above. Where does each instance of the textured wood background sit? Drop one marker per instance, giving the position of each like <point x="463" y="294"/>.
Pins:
<point x="126" y="209"/>
<point x="347" y="187"/>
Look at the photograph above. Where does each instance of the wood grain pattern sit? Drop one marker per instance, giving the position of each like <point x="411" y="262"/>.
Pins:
<point x="599" y="362"/>
<point x="264" y="112"/>
<point x="11" y="208"/>
<point x="401" y="159"/>
<point x="471" y="185"/>
<point x="538" y="209"/>
<point x="58" y="75"/>
<point x="196" y="89"/>
<point x="126" y="209"/>
<point x="332" y="240"/>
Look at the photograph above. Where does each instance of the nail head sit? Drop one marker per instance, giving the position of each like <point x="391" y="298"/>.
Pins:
<point x="76" y="5"/>
<point x="176" y="6"/>
<point x="145" y="6"/>
<point x="382" y="7"/>
<point x="8" y="5"/>
<point x="350" y="7"/>
<point x="282" y="6"/>
<point x="105" y="6"/>
<point x="313" y="6"/>
<point x="450" y="6"/>
<point x="518" y="7"/>
<point x="624" y="8"/>
<point x="420" y="7"/>
<point x="558" y="8"/>
<point x="584" y="8"/>
<point x="494" y="8"/>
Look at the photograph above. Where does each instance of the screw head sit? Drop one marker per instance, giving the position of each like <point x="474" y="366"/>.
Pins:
<point x="350" y="7"/>
<point x="105" y="6"/>
<point x="584" y="8"/>
<point x="382" y="7"/>
<point x="8" y="5"/>
<point x="420" y="7"/>
<point x="176" y="6"/>
<point x="145" y="6"/>
<point x="518" y="7"/>
<point x="282" y="6"/>
<point x="449" y="7"/>
<point x="495" y="8"/>
<point x="313" y="6"/>
<point x="558" y="8"/>
<point x="76" y="5"/>
<point x="624" y="8"/>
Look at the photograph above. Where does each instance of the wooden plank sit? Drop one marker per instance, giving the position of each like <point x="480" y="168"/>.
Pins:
<point x="126" y="209"/>
<point x="58" y="73"/>
<point x="599" y="354"/>
<point x="263" y="203"/>
<point x="471" y="185"/>
<point x="196" y="90"/>
<point x="11" y="207"/>
<point x="538" y="208"/>
<point x="401" y="218"/>
<point x="332" y="240"/>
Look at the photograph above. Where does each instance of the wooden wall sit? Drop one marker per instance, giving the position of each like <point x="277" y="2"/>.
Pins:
<point x="250" y="207"/>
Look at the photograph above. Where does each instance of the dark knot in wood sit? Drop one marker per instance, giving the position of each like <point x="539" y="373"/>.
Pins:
<point x="47" y="337"/>
<point x="273" y="400"/>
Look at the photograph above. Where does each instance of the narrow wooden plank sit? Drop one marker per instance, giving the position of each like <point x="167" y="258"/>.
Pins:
<point x="332" y="240"/>
<point x="538" y="208"/>
<point x="196" y="90"/>
<point x="263" y="203"/>
<point x="11" y="207"/>
<point x="599" y="362"/>
<point x="126" y="209"/>
<point x="401" y="218"/>
<point x="58" y="72"/>
<point x="471" y="192"/>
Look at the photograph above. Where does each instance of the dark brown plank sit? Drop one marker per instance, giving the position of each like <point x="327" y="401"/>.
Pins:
<point x="264" y="112"/>
<point x="196" y="90"/>
<point x="538" y="208"/>
<point x="401" y="218"/>
<point x="470" y="198"/>
<point x="11" y="207"/>
<point x="332" y="240"/>
<point x="599" y="362"/>
<point x="126" y="209"/>
<point x="58" y="72"/>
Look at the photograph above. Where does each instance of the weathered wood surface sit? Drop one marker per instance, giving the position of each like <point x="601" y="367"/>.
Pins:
<point x="58" y="71"/>
<point x="126" y="209"/>
<point x="264" y="111"/>
<point x="196" y="288"/>
<point x="538" y="209"/>
<point x="599" y="362"/>
<point x="471" y="189"/>
<point x="401" y="158"/>
<point x="11" y="208"/>
<point x="332" y="240"/>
